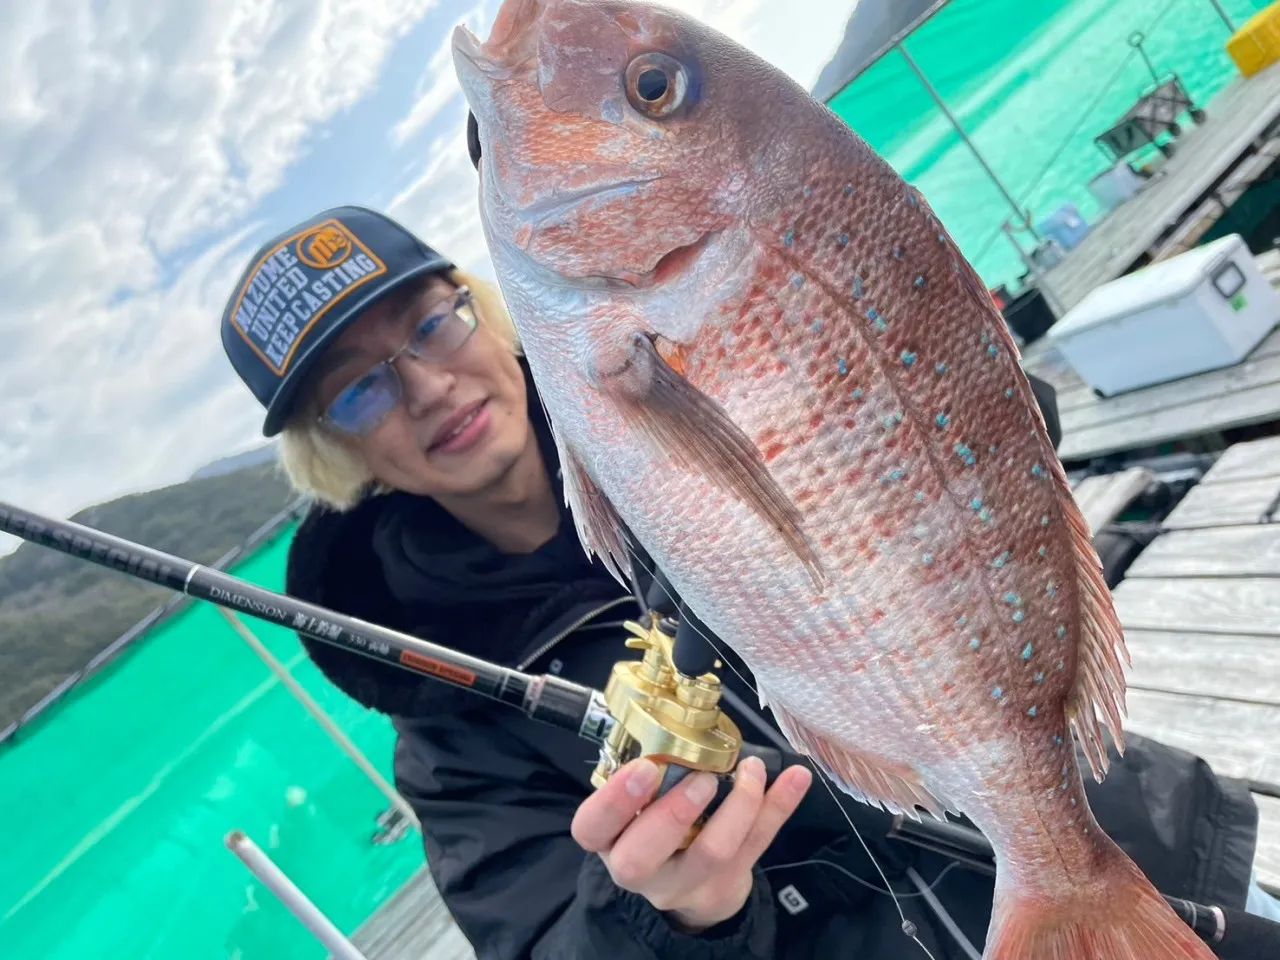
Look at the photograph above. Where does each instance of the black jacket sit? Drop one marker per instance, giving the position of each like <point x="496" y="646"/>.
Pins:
<point x="496" y="792"/>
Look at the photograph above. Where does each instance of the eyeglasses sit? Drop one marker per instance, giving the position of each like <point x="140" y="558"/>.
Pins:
<point x="365" y="403"/>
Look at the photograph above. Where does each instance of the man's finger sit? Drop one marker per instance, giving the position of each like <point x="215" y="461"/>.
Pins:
<point x="720" y="840"/>
<point x="655" y="836"/>
<point x="612" y="808"/>
<point x="780" y="802"/>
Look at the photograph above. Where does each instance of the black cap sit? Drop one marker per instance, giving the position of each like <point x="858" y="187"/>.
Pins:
<point x="305" y="286"/>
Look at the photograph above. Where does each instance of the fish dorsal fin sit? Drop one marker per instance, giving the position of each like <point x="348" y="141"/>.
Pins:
<point x="893" y="786"/>
<point x="1100" y="683"/>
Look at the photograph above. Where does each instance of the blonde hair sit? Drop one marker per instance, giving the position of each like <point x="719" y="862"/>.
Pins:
<point x="318" y="465"/>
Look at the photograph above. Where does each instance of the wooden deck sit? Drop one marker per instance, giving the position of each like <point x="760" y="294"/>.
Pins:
<point x="1201" y="611"/>
<point x="413" y="925"/>
<point x="1216" y="156"/>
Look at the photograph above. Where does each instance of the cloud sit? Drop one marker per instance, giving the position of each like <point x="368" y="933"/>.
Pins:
<point x="137" y="139"/>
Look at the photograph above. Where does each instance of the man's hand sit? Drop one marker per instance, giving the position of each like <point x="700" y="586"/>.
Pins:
<point x="639" y="841"/>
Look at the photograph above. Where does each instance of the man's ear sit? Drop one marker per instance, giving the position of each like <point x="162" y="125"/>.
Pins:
<point x="1047" y="397"/>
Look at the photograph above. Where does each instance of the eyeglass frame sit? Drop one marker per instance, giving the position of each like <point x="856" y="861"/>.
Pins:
<point x="462" y="297"/>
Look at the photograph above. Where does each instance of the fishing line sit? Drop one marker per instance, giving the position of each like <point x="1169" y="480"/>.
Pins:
<point x="908" y="927"/>
<point x="857" y="879"/>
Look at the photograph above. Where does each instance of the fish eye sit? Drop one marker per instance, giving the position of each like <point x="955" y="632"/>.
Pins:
<point x="657" y="85"/>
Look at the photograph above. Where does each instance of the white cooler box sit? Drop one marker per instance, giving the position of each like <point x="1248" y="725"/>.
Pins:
<point x="1201" y="310"/>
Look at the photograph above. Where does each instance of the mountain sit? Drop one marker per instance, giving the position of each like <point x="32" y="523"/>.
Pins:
<point x="57" y="613"/>
<point x="250" y="458"/>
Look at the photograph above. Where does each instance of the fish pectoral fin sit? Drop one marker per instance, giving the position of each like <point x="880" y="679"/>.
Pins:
<point x="893" y="786"/>
<point x="599" y="527"/>
<point x="694" y="431"/>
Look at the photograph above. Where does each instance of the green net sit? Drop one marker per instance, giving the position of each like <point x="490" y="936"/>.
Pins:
<point x="116" y="804"/>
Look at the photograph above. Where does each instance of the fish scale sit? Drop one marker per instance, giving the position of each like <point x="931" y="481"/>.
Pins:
<point x="764" y="359"/>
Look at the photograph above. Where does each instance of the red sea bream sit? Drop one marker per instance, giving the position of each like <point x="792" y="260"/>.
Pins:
<point x="763" y="355"/>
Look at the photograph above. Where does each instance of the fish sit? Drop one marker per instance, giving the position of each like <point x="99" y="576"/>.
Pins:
<point x="766" y="362"/>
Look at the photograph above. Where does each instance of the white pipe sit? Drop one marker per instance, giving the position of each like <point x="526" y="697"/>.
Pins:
<point x="262" y="867"/>
<point x="322" y="718"/>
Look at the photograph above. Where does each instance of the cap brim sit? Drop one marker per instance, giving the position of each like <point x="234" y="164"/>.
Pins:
<point x="281" y="406"/>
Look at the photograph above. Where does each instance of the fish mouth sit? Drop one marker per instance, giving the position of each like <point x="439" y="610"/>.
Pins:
<point x="498" y="56"/>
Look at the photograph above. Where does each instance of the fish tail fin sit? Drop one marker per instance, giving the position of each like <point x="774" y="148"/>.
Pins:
<point x="1114" y="915"/>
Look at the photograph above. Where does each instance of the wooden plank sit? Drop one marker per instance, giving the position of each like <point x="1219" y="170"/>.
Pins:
<point x="1104" y="497"/>
<point x="1225" y="504"/>
<point x="1235" y="739"/>
<point x="1267" y="859"/>
<point x="1247" y="605"/>
<point x="1238" y="116"/>
<point x="1193" y="664"/>
<point x="1240" y="409"/>
<point x="413" y="925"/>
<point x="1247" y="461"/>
<point x="1224" y="552"/>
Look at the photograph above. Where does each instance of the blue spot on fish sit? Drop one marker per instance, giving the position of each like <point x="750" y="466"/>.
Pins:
<point x="857" y="287"/>
<point x="962" y="621"/>
<point x="1010" y="598"/>
<point x="857" y="393"/>
<point x="920" y="283"/>
<point x="1019" y="617"/>
<point x="1031" y="712"/>
<point x="1052" y="590"/>
<point x="848" y="189"/>
<point x="975" y="503"/>
<point x="1043" y="551"/>
<point x="908" y="358"/>
<point x="941" y="368"/>
<point x="1061" y="632"/>
<point x="791" y="236"/>
<point x="1057" y="741"/>
<point x="993" y="350"/>
<point x="843" y="367"/>
<point x="817" y="326"/>
<point x="919" y="497"/>
<point x="943" y="420"/>
<point x="992" y="449"/>
<point x="928" y="559"/>
<point x="1009" y="394"/>
<point x="808" y="191"/>
<point x="1026" y="652"/>
<point x="975" y="643"/>
<point x="1040" y="677"/>
<point x="997" y="693"/>
<point x="844" y="239"/>
<point x="898" y="474"/>
<point x="984" y="515"/>
<point x="1037" y="471"/>
<point x="911" y="198"/>
<point x="1044" y="521"/>
<point x="897" y="253"/>
<point x="797" y="281"/>
<point x="999" y="563"/>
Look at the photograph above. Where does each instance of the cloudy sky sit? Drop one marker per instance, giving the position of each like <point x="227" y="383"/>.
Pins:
<point x="146" y="148"/>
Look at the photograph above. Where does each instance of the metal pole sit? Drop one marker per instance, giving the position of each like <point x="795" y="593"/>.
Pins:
<point x="937" y="98"/>
<point x="308" y="914"/>
<point x="318" y="714"/>
<point x="1226" y="18"/>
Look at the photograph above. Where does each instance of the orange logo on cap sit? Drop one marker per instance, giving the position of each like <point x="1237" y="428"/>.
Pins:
<point x="324" y="247"/>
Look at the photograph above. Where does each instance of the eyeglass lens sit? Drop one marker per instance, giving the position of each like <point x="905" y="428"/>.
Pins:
<point x="365" y="403"/>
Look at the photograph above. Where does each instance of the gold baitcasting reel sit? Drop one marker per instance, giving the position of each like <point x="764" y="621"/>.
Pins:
<point x="673" y="719"/>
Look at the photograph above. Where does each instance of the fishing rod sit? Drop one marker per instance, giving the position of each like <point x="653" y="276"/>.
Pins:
<point x="659" y="706"/>
<point x="546" y="698"/>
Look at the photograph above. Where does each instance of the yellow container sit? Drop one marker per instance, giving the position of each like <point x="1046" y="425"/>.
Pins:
<point x="1256" y="45"/>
